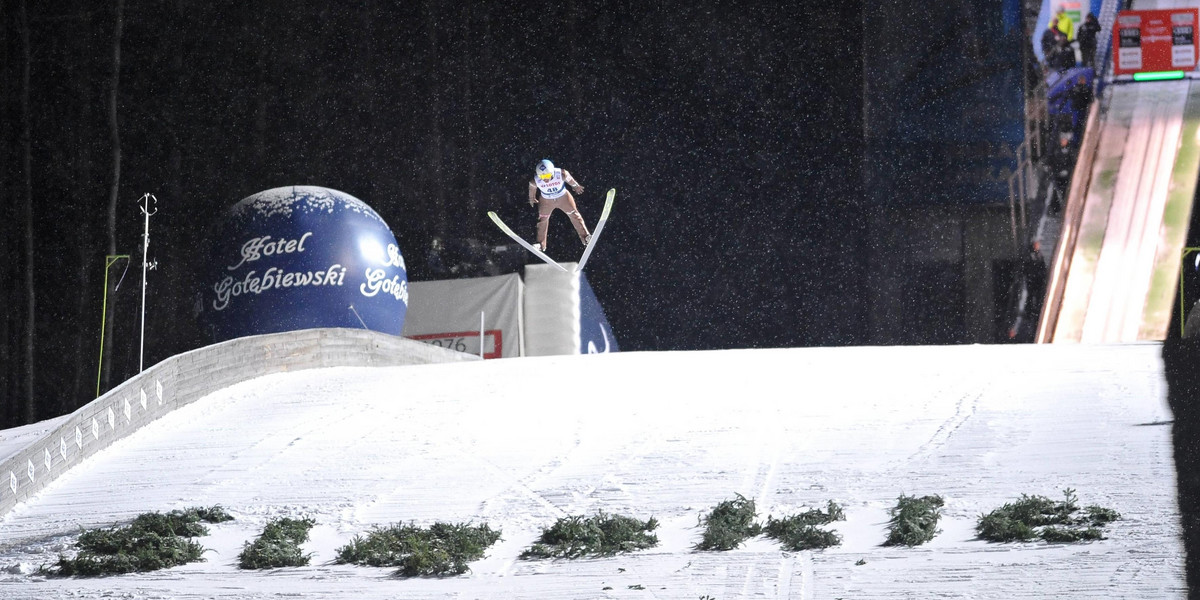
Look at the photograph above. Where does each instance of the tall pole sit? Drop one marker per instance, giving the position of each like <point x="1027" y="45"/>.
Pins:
<point x="149" y="206"/>
<point x="109" y="261"/>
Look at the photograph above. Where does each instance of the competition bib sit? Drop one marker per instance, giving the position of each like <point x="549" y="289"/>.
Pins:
<point x="554" y="187"/>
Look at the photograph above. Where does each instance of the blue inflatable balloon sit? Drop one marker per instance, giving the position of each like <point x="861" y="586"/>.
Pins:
<point x="302" y="257"/>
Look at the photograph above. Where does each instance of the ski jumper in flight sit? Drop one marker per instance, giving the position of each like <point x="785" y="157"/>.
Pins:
<point x="548" y="191"/>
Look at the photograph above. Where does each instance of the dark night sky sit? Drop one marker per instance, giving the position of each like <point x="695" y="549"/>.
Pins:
<point x="734" y="134"/>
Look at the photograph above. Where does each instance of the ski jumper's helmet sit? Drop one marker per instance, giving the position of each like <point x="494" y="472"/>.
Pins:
<point x="545" y="169"/>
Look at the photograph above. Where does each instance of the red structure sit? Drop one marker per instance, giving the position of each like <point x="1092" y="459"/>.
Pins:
<point x="1155" y="40"/>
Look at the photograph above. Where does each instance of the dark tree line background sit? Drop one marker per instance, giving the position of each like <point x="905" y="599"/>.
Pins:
<point x="734" y="133"/>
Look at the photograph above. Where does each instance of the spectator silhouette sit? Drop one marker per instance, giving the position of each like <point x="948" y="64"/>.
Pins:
<point x="1049" y="43"/>
<point x="1064" y="23"/>
<point x="1061" y="162"/>
<point x="1064" y="53"/>
<point x="1056" y="47"/>
<point x="1080" y="97"/>
<point x="1087" y="40"/>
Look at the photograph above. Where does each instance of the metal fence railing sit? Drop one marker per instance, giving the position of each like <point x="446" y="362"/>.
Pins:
<point x="1024" y="182"/>
<point x="1108" y="16"/>
<point x="1022" y="187"/>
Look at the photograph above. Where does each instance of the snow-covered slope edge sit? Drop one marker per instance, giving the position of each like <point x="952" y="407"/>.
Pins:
<point x="519" y="443"/>
<point x="32" y="457"/>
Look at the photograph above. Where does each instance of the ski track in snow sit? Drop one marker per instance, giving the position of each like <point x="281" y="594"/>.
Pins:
<point x="667" y="435"/>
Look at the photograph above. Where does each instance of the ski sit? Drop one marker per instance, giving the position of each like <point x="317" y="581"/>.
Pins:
<point x="608" y="202"/>
<point x="527" y="245"/>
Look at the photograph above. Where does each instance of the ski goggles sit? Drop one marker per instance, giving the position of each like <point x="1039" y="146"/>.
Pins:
<point x="545" y="176"/>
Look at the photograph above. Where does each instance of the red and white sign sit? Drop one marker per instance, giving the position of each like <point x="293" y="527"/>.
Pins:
<point x="450" y="312"/>
<point x="1155" y="40"/>
<point x="466" y="341"/>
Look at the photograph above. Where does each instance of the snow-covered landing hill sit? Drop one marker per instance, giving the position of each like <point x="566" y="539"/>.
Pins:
<point x="517" y="443"/>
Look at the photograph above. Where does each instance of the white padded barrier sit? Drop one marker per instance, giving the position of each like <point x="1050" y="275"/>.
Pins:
<point x="185" y="378"/>
<point x="552" y="311"/>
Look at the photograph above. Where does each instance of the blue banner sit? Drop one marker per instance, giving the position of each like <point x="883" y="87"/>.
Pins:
<point x="595" y="333"/>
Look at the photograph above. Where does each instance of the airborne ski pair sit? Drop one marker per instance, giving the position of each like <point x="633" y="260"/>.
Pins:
<point x="608" y="202"/>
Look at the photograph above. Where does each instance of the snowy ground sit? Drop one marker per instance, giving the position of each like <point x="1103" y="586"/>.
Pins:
<point x="517" y="443"/>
